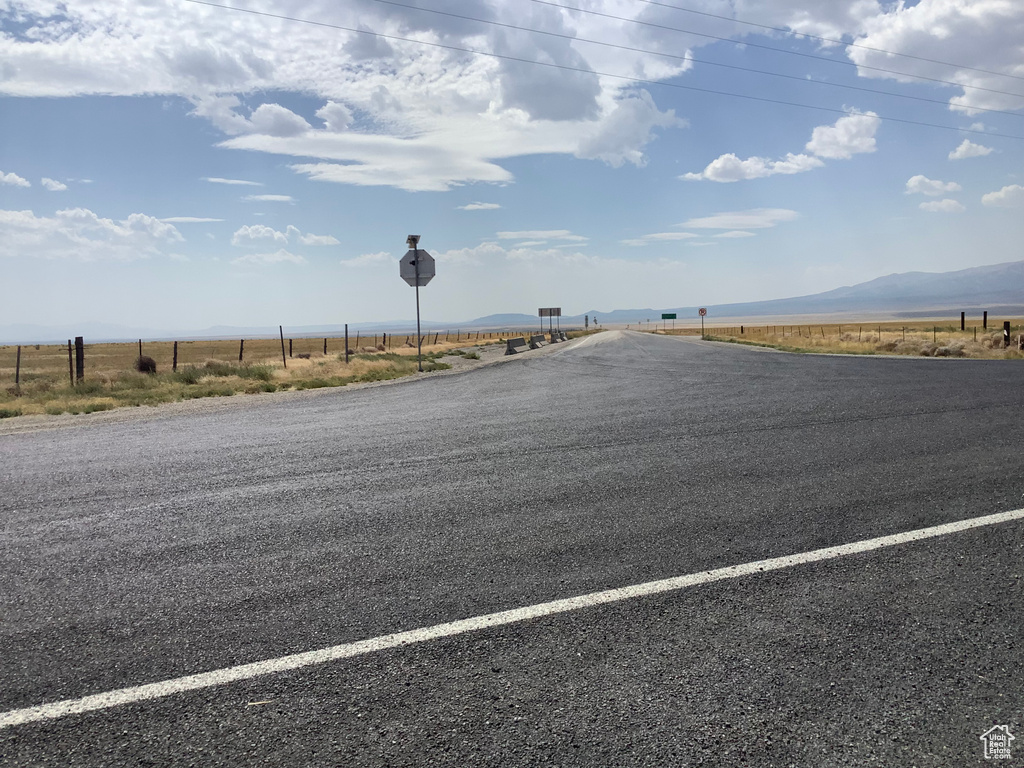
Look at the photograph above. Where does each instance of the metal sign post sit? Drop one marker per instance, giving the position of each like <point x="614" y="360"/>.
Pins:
<point x="417" y="268"/>
<point x="669" y="316"/>
<point x="702" y="311"/>
<point x="549" y="312"/>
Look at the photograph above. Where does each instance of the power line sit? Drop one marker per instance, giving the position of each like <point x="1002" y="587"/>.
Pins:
<point x="640" y="80"/>
<point x="618" y="46"/>
<point x="771" y="48"/>
<point x="828" y="39"/>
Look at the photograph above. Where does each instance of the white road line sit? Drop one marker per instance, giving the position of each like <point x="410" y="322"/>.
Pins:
<point x="163" y="688"/>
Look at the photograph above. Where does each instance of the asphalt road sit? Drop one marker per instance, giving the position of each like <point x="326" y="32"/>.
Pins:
<point x="174" y="543"/>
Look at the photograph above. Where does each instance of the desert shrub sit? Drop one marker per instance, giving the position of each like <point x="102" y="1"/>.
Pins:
<point x="145" y="364"/>
<point x="954" y="349"/>
<point x="260" y="386"/>
<point x="304" y="356"/>
<point x="258" y="372"/>
<point x="471" y="356"/>
<point x="210" y="390"/>
<point x="887" y="346"/>
<point x="54" y="410"/>
<point x="88" y="387"/>
<point x="218" y="368"/>
<point x="9" y="413"/>
<point x="189" y="375"/>
<point x="928" y="350"/>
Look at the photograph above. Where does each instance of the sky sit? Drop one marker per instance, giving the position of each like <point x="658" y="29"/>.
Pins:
<point x="176" y="164"/>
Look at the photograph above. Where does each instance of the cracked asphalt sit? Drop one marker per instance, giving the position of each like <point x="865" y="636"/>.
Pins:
<point x="175" y="541"/>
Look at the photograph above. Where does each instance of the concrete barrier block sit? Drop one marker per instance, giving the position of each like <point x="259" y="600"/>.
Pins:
<point x="555" y="337"/>
<point x="516" y="346"/>
<point x="537" y="341"/>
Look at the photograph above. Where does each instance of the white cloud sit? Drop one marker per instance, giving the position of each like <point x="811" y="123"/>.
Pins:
<point x="923" y="185"/>
<point x="369" y="259"/>
<point x="967" y="149"/>
<point x="850" y="135"/>
<point x="735" y="233"/>
<point x="658" y="237"/>
<point x="279" y="257"/>
<point x="478" y="207"/>
<point x="729" y="167"/>
<point x="336" y="117"/>
<point x="627" y="129"/>
<point x="541" y="234"/>
<point x="53" y="185"/>
<point x="275" y="120"/>
<point x="319" y="240"/>
<point x="1011" y="196"/>
<point x="755" y="218"/>
<point x="268" y="198"/>
<point x="256" y="233"/>
<point x="237" y="182"/>
<point x="188" y="220"/>
<point x="983" y="33"/>
<point x="942" y="206"/>
<point x="78" y="233"/>
<point x="14" y="180"/>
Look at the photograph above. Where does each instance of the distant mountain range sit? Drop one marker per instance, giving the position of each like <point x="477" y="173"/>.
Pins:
<point x="998" y="288"/>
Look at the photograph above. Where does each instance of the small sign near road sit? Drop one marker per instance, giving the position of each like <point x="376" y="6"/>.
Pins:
<point x="668" y="315"/>
<point x="407" y="267"/>
<point x="550" y="311"/>
<point x="702" y="311"/>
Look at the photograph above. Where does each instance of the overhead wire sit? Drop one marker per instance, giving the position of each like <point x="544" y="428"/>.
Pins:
<point x="820" y="38"/>
<point x="618" y="46"/>
<point x="583" y="70"/>
<point x="748" y="44"/>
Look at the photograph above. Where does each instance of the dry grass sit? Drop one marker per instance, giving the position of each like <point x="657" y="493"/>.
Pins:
<point x="917" y="339"/>
<point x="205" y="369"/>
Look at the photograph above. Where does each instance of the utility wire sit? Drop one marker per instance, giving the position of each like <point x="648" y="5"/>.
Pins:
<point x="644" y="81"/>
<point x="827" y="39"/>
<point x="770" y="48"/>
<point x="798" y="78"/>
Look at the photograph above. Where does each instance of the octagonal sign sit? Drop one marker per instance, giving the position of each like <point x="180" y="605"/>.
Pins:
<point x="407" y="267"/>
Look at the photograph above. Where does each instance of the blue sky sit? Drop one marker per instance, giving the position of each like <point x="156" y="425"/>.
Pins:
<point x="169" y="164"/>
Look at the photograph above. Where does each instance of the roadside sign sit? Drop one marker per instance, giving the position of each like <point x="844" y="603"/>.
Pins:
<point x="407" y="267"/>
<point x="550" y="311"/>
<point x="702" y="311"/>
<point x="668" y="315"/>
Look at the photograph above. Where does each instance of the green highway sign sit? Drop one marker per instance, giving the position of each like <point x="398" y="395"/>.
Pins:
<point x="668" y="316"/>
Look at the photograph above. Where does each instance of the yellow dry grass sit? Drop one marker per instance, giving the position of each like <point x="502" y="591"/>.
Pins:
<point x="205" y="368"/>
<point x="921" y="338"/>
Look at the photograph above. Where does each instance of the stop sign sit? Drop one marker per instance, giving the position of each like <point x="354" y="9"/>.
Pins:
<point x="407" y="267"/>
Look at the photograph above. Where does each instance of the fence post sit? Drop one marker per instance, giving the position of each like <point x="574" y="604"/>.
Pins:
<point x="17" y="372"/>
<point x="435" y="337"/>
<point x="79" y="359"/>
<point x="346" y="343"/>
<point x="984" y="320"/>
<point x="357" y="339"/>
<point x="284" y="360"/>
<point x="289" y="347"/>
<point x="325" y="346"/>
<point x="140" y="347"/>
<point x="962" y="320"/>
<point x="174" y="363"/>
<point x="241" y="349"/>
<point x="71" y="365"/>
<point x="1006" y="333"/>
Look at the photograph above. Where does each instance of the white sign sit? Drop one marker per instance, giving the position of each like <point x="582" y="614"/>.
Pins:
<point x="407" y="267"/>
<point x="702" y="311"/>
